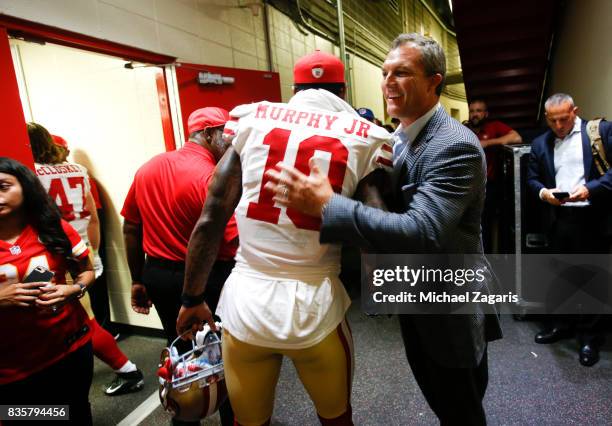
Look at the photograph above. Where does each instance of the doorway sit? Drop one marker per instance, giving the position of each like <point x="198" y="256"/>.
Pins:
<point x="110" y="115"/>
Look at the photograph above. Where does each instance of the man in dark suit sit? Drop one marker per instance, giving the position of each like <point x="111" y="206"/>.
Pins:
<point x="561" y="161"/>
<point x="439" y="179"/>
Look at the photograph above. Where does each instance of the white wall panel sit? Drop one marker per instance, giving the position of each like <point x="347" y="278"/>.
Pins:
<point x="215" y="30"/>
<point x="323" y="45"/>
<point x="366" y="83"/>
<point x="180" y="14"/>
<point x="215" y="54"/>
<point x="125" y="27"/>
<point x="298" y="49"/>
<point x="262" y="52"/>
<point x="183" y="45"/>
<point x="144" y="8"/>
<point x="243" y="42"/>
<point x="263" y="64"/>
<point x="242" y="60"/>
<point x="76" y="15"/>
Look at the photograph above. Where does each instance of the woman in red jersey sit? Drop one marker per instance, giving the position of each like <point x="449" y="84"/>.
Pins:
<point x="45" y="349"/>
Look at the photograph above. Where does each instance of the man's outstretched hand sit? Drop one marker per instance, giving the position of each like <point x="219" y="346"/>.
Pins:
<point x="293" y="189"/>
<point x="192" y="320"/>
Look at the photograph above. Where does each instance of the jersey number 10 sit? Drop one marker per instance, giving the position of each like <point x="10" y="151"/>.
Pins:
<point x="277" y="140"/>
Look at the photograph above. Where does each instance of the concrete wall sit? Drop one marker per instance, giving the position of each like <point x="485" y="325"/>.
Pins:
<point x="367" y="78"/>
<point x="460" y="106"/>
<point x="212" y="32"/>
<point x="200" y="31"/>
<point x="582" y="63"/>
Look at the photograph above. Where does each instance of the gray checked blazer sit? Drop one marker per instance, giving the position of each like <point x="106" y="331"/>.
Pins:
<point x="440" y="183"/>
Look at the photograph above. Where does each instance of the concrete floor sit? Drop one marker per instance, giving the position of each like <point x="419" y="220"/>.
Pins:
<point x="529" y="383"/>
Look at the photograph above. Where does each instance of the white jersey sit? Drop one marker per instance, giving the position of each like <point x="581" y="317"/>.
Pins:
<point x="314" y="124"/>
<point x="284" y="291"/>
<point x="68" y="185"/>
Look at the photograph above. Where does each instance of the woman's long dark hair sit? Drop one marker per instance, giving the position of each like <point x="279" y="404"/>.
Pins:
<point x="40" y="210"/>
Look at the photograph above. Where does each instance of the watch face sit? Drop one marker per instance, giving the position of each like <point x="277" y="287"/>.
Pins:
<point x="83" y="289"/>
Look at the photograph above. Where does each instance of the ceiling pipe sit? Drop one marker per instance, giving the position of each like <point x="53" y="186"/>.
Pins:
<point x="342" y="43"/>
<point x="266" y="19"/>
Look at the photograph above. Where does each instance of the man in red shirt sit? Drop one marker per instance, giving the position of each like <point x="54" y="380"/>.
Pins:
<point x="160" y="211"/>
<point x="493" y="134"/>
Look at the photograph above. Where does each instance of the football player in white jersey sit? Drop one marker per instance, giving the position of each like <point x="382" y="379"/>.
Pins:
<point x="68" y="186"/>
<point x="283" y="297"/>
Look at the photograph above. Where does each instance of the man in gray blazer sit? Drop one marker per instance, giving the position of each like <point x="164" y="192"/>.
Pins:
<point x="439" y="183"/>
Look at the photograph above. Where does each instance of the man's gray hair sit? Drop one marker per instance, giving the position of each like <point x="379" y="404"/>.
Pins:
<point x="558" y="99"/>
<point x="434" y="60"/>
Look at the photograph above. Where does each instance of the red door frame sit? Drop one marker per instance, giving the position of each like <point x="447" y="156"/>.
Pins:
<point x="35" y="31"/>
<point x="15" y="142"/>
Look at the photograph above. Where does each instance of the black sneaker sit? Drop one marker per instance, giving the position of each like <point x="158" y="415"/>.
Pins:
<point x="125" y="382"/>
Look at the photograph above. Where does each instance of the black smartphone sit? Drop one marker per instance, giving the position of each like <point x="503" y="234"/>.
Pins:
<point x="39" y="274"/>
<point x="560" y="195"/>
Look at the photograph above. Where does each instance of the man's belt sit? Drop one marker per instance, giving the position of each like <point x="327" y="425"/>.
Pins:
<point x="165" y="263"/>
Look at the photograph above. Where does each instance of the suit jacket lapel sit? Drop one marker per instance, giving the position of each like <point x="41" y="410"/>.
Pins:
<point x="416" y="148"/>
<point x="399" y="165"/>
<point x="411" y="153"/>
<point x="550" y="157"/>
<point x="587" y="155"/>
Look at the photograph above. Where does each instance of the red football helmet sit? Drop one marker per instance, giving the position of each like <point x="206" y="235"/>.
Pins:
<point x="192" y="385"/>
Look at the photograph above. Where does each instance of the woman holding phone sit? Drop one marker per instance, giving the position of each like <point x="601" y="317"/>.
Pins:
<point x="68" y="186"/>
<point x="45" y="350"/>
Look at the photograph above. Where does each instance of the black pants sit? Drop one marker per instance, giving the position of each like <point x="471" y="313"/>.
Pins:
<point x="454" y="394"/>
<point x="163" y="280"/>
<point x="490" y="216"/>
<point x="66" y="382"/>
<point x="98" y="292"/>
<point x="579" y="230"/>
